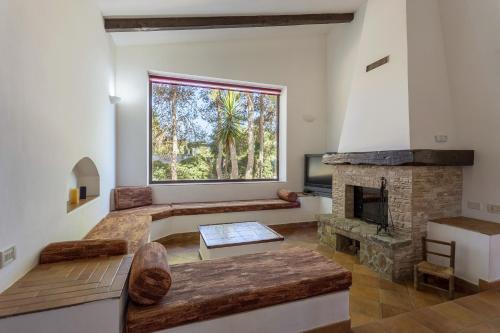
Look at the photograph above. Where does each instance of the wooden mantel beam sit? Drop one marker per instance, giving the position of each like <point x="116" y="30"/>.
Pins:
<point x="120" y="24"/>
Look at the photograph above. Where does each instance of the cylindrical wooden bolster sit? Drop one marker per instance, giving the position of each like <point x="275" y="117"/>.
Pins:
<point x="150" y="277"/>
<point x="287" y="195"/>
<point x="83" y="249"/>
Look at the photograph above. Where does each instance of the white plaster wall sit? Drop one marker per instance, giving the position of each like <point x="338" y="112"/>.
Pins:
<point x="377" y="116"/>
<point x="472" y="48"/>
<point x="55" y="77"/>
<point x="342" y="47"/>
<point x="473" y="256"/>
<point x="297" y="62"/>
<point x="430" y="100"/>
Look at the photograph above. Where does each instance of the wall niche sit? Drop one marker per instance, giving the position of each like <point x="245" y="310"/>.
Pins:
<point x="84" y="173"/>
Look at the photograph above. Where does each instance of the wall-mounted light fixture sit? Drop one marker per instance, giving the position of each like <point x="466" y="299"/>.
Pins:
<point x="115" y="99"/>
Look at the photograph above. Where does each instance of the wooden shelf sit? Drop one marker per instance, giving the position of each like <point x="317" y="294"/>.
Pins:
<point x="480" y="226"/>
<point x="71" y="207"/>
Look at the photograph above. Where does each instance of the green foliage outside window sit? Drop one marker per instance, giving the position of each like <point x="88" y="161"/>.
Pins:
<point x="203" y="134"/>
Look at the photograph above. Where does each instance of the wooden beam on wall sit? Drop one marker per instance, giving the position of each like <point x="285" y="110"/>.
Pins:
<point x="120" y="24"/>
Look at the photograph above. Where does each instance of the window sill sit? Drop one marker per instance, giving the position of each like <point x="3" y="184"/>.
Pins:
<point x="220" y="183"/>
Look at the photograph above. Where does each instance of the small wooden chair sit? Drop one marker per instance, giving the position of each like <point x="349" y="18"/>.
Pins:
<point x="443" y="272"/>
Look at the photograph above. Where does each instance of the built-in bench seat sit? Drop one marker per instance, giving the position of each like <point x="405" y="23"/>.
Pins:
<point x="62" y="285"/>
<point x="218" y="288"/>
<point x="133" y="224"/>
<point x="159" y="212"/>
<point x="133" y="228"/>
<point x="87" y="270"/>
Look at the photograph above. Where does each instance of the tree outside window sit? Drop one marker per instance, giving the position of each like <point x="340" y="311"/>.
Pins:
<point x="209" y="131"/>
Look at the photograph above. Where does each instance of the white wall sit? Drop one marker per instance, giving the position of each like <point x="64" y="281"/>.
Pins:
<point x="297" y="62"/>
<point x="473" y="54"/>
<point x="401" y="105"/>
<point x="430" y="100"/>
<point x="342" y="50"/>
<point x="377" y="116"/>
<point x="473" y="254"/>
<point x="55" y="78"/>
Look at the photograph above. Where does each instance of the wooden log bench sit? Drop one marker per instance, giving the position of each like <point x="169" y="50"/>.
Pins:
<point x="134" y="206"/>
<point x="292" y="290"/>
<point x="77" y="279"/>
<point x="132" y="221"/>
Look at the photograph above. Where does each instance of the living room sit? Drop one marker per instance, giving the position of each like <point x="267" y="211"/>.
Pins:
<point x="127" y="124"/>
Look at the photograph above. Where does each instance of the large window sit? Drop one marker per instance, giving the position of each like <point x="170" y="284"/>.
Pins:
<point x="209" y="131"/>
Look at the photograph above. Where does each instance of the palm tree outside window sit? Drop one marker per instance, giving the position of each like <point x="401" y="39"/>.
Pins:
<point x="212" y="131"/>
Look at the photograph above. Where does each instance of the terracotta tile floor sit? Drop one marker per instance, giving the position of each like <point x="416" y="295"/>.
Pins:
<point x="372" y="298"/>
<point x="479" y="313"/>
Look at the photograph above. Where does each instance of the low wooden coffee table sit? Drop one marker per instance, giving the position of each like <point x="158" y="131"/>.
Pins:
<point x="232" y="239"/>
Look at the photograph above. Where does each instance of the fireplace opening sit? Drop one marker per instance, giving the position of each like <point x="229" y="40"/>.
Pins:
<point x="370" y="205"/>
<point x="347" y="245"/>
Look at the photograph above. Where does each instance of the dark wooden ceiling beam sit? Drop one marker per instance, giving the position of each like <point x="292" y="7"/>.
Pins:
<point x="120" y="24"/>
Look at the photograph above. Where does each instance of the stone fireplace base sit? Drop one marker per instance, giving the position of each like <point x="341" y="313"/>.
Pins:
<point x="384" y="254"/>
<point x="416" y="194"/>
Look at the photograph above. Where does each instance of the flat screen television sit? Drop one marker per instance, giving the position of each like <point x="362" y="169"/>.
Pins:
<point x="318" y="176"/>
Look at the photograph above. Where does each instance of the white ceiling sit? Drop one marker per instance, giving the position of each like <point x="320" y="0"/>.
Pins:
<point x="223" y="7"/>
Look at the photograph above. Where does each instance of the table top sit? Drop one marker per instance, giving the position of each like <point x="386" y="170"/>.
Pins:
<point x="238" y="233"/>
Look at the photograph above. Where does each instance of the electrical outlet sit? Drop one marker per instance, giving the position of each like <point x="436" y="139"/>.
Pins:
<point x="441" y="138"/>
<point x="7" y="256"/>
<point x="474" y="205"/>
<point x="493" y="209"/>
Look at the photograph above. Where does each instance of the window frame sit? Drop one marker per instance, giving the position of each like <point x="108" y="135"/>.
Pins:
<point x="231" y="85"/>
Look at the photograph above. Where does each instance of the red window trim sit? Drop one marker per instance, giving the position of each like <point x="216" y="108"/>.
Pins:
<point x="213" y="85"/>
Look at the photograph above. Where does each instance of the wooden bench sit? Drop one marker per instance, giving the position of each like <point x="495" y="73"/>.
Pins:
<point x="80" y="274"/>
<point x="159" y="212"/>
<point x="133" y="223"/>
<point x="72" y="296"/>
<point x="217" y="290"/>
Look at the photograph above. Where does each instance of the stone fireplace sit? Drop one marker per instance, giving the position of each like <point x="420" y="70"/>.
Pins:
<point x="417" y="192"/>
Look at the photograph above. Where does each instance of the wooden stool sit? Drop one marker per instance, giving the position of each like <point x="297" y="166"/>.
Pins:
<point x="443" y="272"/>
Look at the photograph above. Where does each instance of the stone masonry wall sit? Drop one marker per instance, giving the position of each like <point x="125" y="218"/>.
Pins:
<point x="436" y="193"/>
<point x="416" y="195"/>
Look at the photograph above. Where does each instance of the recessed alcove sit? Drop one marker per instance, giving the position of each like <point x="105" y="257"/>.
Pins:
<point x="84" y="173"/>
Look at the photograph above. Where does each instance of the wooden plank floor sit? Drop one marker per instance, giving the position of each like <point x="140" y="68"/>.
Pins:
<point x="51" y="286"/>
<point x="478" y="313"/>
